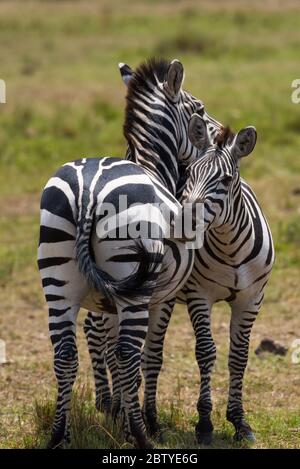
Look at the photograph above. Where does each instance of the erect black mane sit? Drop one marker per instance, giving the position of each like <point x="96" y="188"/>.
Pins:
<point x="146" y="73"/>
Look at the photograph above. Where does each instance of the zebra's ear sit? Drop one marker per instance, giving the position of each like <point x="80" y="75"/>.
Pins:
<point x="174" y="78"/>
<point x="197" y="132"/>
<point x="126" y="72"/>
<point x="245" y="142"/>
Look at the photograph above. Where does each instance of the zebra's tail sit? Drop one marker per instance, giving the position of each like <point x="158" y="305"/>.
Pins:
<point x="141" y="281"/>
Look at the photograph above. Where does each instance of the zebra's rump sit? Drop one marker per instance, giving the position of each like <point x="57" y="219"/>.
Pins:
<point x="71" y="195"/>
<point x="70" y="217"/>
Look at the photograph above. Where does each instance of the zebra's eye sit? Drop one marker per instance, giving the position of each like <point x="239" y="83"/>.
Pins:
<point x="226" y="181"/>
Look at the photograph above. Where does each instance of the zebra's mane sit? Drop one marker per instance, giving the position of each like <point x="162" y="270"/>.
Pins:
<point x="146" y="74"/>
<point x="225" y="137"/>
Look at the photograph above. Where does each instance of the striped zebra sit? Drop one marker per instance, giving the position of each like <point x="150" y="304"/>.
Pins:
<point x="233" y="265"/>
<point x="123" y="280"/>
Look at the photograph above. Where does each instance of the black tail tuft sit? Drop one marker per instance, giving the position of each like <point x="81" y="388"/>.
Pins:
<point x="143" y="280"/>
<point x="140" y="283"/>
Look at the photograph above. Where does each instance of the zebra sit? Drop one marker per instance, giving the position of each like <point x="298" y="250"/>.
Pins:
<point x="233" y="265"/>
<point x="94" y="326"/>
<point x="117" y="278"/>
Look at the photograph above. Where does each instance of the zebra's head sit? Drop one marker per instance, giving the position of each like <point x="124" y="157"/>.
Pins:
<point x="213" y="179"/>
<point x="158" y="112"/>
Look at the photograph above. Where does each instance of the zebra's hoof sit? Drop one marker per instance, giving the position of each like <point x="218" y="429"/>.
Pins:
<point x="55" y="443"/>
<point x="143" y="443"/>
<point x="204" y="438"/>
<point x="159" y="436"/>
<point x="156" y="433"/>
<point x="244" y="433"/>
<point x="148" y="445"/>
<point x="204" y="431"/>
<point x="153" y="429"/>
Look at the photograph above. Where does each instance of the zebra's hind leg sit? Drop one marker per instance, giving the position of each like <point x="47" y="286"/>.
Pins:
<point x="96" y="339"/>
<point x="110" y="320"/>
<point x="152" y="360"/>
<point x="62" y="325"/>
<point x="200" y="314"/>
<point x="241" y="323"/>
<point x="133" y="325"/>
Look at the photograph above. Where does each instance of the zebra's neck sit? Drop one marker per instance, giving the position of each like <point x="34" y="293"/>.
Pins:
<point x="157" y="162"/>
<point x="238" y="230"/>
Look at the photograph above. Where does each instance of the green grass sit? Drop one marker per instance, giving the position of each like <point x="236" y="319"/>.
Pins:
<point x="65" y="99"/>
<point x="91" y="429"/>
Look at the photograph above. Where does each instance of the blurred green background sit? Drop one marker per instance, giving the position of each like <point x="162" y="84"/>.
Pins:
<point x="65" y="100"/>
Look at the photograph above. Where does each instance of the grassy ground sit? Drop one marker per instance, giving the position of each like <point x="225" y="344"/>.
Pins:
<point x="65" y="99"/>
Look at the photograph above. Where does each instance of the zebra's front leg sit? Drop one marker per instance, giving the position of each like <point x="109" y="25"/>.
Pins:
<point x="62" y="326"/>
<point x="96" y="339"/>
<point x="133" y="326"/>
<point x="152" y="360"/>
<point x="242" y="319"/>
<point x="200" y="314"/>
